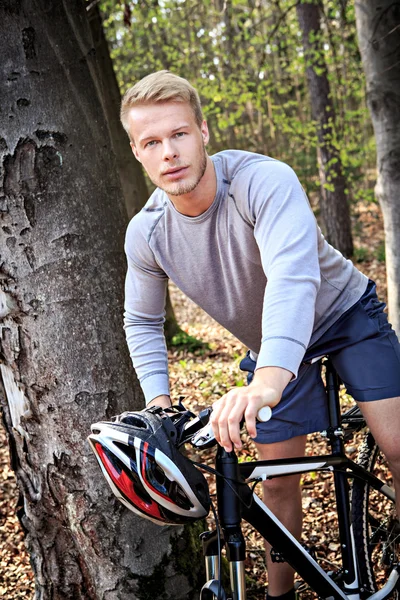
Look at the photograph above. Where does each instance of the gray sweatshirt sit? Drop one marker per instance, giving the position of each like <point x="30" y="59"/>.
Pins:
<point x="256" y="261"/>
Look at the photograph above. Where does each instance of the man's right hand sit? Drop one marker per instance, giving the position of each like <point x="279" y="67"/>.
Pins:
<point x="164" y="401"/>
<point x="265" y="390"/>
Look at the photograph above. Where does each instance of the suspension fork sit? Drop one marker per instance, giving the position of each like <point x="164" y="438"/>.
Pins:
<point x="230" y="515"/>
<point x="209" y="540"/>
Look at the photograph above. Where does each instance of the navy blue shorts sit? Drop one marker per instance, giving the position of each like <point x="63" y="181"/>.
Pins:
<point x="365" y="352"/>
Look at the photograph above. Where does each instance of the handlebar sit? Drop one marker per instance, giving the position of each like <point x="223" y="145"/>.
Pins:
<point x="264" y="414"/>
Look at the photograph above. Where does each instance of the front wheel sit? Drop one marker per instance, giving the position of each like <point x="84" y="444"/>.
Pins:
<point x="376" y="530"/>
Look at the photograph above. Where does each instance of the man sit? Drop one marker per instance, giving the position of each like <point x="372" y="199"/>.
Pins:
<point x="236" y="234"/>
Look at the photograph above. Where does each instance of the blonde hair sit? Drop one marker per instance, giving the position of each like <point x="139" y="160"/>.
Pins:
<point x="161" y="86"/>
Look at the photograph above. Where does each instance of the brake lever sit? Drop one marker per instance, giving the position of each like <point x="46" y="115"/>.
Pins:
<point x="204" y="438"/>
<point x="193" y="427"/>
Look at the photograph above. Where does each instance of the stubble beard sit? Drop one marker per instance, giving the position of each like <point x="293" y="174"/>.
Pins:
<point x="185" y="187"/>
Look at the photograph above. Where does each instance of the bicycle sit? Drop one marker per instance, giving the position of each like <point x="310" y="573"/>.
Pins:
<point x="368" y="541"/>
<point x="147" y="478"/>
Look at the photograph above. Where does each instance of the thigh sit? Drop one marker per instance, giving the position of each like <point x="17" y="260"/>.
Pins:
<point x="370" y="366"/>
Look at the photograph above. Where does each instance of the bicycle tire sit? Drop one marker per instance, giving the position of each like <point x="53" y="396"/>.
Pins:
<point x="377" y="546"/>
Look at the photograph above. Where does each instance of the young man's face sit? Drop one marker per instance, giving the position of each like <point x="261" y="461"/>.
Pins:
<point x="170" y="145"/>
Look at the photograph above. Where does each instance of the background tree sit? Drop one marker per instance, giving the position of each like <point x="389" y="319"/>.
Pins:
<point x="333" y="200"/>
<point x="63" y="357"/>
<point x="378" y="27"/>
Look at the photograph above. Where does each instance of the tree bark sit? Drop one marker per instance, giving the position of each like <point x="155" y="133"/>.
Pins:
<point x="378" y="29"/>
<point x="63" y="357"/>
<point x="130" y="171"/>
<point x="334" y="205"/>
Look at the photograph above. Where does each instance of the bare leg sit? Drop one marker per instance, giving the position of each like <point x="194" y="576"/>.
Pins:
<point x="383" y="419"/>
<point x="283" y="497"/>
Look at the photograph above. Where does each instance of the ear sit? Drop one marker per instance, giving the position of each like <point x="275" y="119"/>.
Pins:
<point x="135" y="152"/>
<point x="204" y="132"/>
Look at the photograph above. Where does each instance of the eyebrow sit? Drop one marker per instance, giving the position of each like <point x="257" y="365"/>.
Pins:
<point x="174" y="130"/>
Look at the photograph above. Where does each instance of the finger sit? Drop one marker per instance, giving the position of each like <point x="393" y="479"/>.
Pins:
<point x="223" y="420"/>
<point x="250" y="418"/>
<point x="217" y="408"/>
<point x="224" y="440"/>
<point x="234" y="419"/>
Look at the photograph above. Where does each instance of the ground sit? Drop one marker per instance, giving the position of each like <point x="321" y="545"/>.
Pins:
<point x="201" y="377"/>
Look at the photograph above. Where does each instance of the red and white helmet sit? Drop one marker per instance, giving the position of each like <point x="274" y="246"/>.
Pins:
<point x="139" y="458"/>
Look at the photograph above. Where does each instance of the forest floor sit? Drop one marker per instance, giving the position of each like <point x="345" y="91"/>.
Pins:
<point x="201" y="377"/>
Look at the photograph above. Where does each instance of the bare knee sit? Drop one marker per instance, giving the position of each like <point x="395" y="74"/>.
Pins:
<point x="282" y="489"/>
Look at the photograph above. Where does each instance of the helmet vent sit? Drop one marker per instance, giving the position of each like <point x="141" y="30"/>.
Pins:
<point x="128" y="450"/>
<point x="134" y="421"/>
<point x="159" y="475"/>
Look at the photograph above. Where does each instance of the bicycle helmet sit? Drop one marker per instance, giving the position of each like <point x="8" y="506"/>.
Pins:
<point x="139" y="458"/>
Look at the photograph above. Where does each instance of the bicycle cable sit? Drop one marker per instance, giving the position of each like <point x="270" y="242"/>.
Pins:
<point x="228" y="480"/>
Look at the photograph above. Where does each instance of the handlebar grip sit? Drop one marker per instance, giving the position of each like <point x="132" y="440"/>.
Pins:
<point x="264" y="414"/>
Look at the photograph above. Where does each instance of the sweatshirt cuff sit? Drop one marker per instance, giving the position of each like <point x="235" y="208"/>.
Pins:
<point x="282" y="352"/>
<point x="155" y="384"/>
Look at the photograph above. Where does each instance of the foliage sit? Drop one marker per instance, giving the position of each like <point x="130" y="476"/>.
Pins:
<point x="184" y="340"/>
<point x="247" y="61"/>
<point x="361" y="254"/>
<point x="380" y="252"/>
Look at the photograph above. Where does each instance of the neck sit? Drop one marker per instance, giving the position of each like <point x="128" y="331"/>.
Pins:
<point x="200" y="199"/>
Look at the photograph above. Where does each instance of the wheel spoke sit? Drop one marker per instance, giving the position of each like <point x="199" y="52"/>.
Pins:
<point x="375" y="529"/>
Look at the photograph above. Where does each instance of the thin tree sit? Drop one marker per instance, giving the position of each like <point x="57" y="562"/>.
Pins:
<point x="378" y="29"/>
<point x="63" y="356"/>
<point x="334" y="205"/>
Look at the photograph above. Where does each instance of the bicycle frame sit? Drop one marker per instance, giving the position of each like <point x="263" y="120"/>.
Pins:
<point x="236" y="501"/>
<point x="255" y="512"/>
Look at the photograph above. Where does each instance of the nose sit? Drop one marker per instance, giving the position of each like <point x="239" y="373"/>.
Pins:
<point x="169" y="151"/>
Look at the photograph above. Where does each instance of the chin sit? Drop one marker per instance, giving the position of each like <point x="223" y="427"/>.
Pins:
<point x="182" y="190"/>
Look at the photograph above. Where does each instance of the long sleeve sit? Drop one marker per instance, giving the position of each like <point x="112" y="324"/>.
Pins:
<point x="287" y="236"/>
<point x="145" y="292"/>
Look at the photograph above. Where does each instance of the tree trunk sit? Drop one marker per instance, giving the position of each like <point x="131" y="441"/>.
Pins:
<point x="334" y="205"/>
<point x="378" y="28"/>
<point x="63" y="357"/>
<point x="130" y="171"/>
